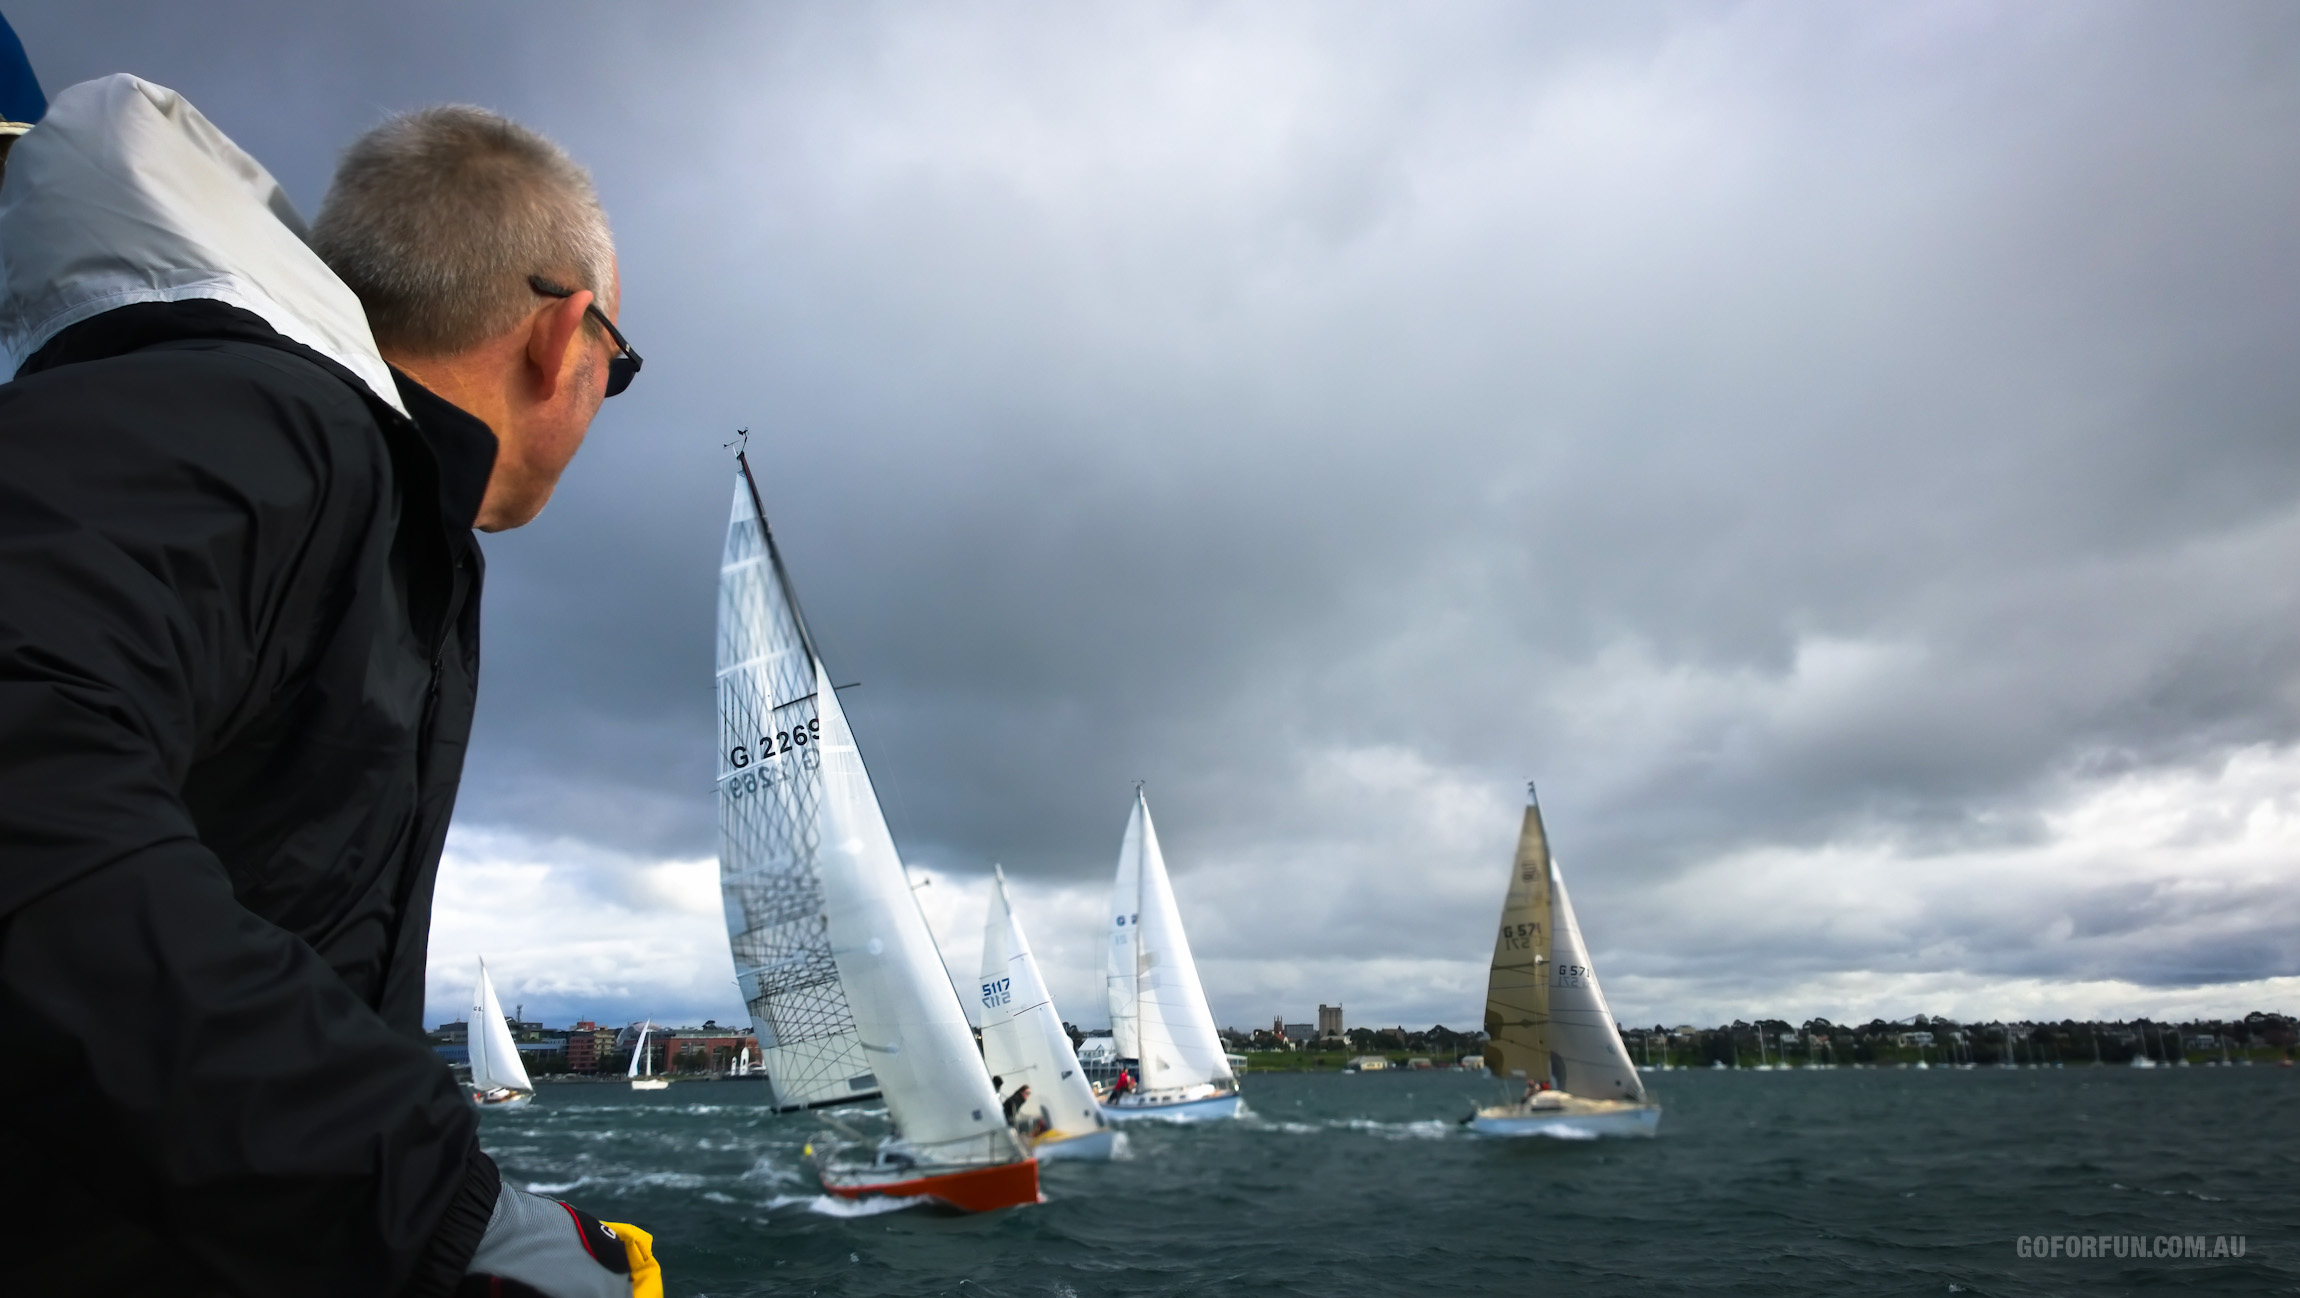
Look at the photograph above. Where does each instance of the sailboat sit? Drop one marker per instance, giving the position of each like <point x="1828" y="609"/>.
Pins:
<point x="1023" y="1043"/>
<point x="498" y="1078"/>
<point x="847" y="989"/>
<point x="1158" y="1011"/>
<point x="1546" y="1017"/>
<point x="642" y="1070"/>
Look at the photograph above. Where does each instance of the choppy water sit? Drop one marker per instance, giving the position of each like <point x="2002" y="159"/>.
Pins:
<point x="1836" y="1183"/>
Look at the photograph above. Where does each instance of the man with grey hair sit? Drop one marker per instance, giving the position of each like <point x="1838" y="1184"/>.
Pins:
<point x="239" y="591"/>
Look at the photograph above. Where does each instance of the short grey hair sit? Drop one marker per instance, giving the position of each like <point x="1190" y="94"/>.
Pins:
<point x="437" y="218"/>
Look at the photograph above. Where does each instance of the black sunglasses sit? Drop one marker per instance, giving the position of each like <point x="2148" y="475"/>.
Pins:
<point x="621" y="367"/>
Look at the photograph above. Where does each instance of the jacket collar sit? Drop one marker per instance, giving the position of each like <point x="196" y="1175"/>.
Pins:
<point x="461" y="444"/>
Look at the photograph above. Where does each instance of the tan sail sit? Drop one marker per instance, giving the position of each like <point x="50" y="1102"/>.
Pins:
<point x="1549" y="1027"/>
<point x="1517" y="989"/>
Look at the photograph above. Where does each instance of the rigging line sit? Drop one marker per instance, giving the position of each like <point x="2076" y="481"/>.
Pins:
<point x="774" y="552"/>
<point x="783" y="579"/>
<point x="804" y="697"/>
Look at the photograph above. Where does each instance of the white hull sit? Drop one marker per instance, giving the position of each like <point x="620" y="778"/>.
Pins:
<point x="1213" y="1108"/>
<point x="1090" y="1146"/>
<point x="519" y="1100"/>
<point x="649" y="1083"/>
<point x="1631" y="1120"/>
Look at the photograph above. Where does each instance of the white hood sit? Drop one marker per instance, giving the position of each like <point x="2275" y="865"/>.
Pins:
<point x="124" y="193"/>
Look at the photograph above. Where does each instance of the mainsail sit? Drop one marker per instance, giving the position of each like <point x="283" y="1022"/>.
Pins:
<point x="642" y="1060"/>
<point x="1175" y="1040"/>
<point x="770" y="826"/>
<point x="1022" y="1037"/>
<point x="1124" y="958"/>
<point x="937" y="1092"/>
<point x="1545" y="1015"/>
<point x="495" y="1064"/>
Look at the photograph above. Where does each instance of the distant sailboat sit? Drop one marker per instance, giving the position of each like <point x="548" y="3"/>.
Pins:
<point x="498" y="1078"/>
<point x="809" y="864"/>
<point x="1547" y="1018"/>
<point x="1158" y="1009"/>
<point x="642" y="1070"/>
<point x="1023" y="1042"/>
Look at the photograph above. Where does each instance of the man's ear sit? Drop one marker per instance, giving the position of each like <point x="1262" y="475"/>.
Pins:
<point x="550" y="343"/>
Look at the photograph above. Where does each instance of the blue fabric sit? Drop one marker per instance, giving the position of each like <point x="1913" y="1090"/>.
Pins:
<point x="20" y="97"/>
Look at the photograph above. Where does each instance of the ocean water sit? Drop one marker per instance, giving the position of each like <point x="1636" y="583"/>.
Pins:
<point x="1840" y="1182"/>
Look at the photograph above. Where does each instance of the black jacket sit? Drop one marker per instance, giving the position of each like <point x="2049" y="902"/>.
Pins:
<point x="239" y="638"/>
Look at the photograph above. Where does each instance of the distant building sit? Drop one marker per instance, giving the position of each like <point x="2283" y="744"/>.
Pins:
<point x="1299" y="1032"/>
<point x="1367" y="1064"/>
<point x="588" y="1046"/>
<point x="1915" y="1038"/>
<point x="1329" y="1020"/>
<point x="709" y="1048"/>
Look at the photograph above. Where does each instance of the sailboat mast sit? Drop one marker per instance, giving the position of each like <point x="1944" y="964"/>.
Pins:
<point x="775" y="556"/>
<point x="1141" y="868"/>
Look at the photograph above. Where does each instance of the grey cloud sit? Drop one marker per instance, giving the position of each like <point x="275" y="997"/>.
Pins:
<point x="1186" y="394"/>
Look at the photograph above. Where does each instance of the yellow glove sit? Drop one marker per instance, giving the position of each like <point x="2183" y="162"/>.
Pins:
<point x="646" y="1272"/>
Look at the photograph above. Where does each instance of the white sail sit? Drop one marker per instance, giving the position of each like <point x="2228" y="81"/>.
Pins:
<point x="1124" y="958"/>
<point x="495" y="1064"/>
<point x="1585" y="1044"/>
<point x="639" y="1057"/>
<point x="908" y="1015"/>
<point x="770" y="832"/>
<point x="1022" y="1037"/>
<point x="1178" y="1045"/>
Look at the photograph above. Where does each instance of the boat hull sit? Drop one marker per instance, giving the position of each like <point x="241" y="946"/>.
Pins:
<point x="1085" y="1146"/>
<point x="976" y="1189"/>
<point x="1577" y="1122"/>
<point x="1213" y="1108"/>
<point x="517" y="1101"/>
<point x="649" y="1083"/>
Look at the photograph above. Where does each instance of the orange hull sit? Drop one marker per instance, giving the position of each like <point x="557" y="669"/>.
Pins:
<point x="985" y="1189"/>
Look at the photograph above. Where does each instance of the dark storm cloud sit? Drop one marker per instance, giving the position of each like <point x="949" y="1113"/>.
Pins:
<point x="1777" y="427"/>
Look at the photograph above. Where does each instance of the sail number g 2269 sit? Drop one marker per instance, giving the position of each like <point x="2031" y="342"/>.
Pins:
<point x="777" y="744"/>
<point x="742" y="783"/>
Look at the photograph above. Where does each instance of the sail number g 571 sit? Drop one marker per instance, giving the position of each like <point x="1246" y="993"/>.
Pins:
<point x="1519" y="937"/>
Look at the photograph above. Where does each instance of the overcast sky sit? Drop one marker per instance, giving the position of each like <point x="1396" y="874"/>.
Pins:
<point x="1846" y="454"/>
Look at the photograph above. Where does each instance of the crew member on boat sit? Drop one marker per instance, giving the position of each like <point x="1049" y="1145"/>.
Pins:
<point x="1013" y="1103"/>
<point x="239" y="618"/>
